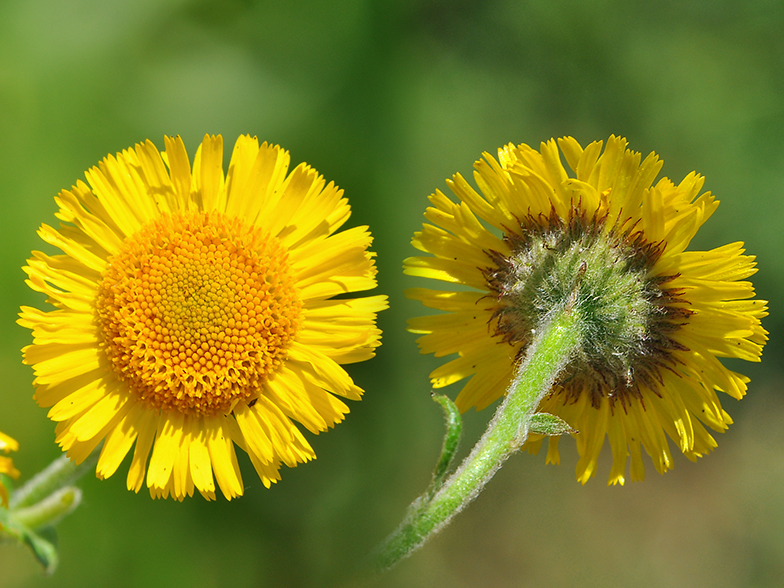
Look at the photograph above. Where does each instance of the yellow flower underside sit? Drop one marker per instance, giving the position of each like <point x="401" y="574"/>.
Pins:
<point x="194" y="314"/>
<point x="613" y="184"/>
<point x="7" y="465"/>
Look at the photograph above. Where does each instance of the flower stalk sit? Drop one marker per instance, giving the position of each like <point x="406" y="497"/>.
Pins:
<point x="60" y="473"/>
<point x="552" y="346"/>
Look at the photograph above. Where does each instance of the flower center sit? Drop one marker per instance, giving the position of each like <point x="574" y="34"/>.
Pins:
<point x="197" y="310"/>
<point x="604" y="275"/>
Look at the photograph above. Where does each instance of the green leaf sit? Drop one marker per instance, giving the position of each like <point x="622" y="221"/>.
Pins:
<point x="42" y="544"/>
<point x="543" y="423"/>
<point x="454" y="431"/>
<point x="45" y="551"/>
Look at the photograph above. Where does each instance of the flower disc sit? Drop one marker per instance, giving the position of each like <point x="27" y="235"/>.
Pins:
<point x="197" y="311"/>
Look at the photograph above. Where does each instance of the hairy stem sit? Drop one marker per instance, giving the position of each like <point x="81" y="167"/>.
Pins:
<point x="552" y="347"/>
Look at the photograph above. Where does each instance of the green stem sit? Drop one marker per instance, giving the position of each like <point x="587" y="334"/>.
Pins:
<point x="552" y="347"/>
<point x="58" y="474"/>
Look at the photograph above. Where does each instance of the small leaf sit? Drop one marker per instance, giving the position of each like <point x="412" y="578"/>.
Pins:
<point x="50" y="510"/>
<point x="454" y="430"/>
<point x="543" y="423"/>
<point x="44" y="550"/>
<point x="42" y="544"/>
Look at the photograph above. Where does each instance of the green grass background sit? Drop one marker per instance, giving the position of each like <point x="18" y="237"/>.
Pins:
<point x="388" y="99"/>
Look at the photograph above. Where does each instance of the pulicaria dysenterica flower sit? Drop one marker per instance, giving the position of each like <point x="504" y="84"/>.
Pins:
<point x="605" y="238"/>
<point x="6" y="465"/>
<point x="196" y="312"/>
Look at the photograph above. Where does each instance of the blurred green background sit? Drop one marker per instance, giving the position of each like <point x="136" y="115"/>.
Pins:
<point x="388" y="99"/>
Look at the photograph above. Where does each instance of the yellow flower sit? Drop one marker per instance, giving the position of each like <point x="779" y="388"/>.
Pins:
<point x="650" y="369"/>
<point x="7" y="465"/>
<point x="196" y="312"/>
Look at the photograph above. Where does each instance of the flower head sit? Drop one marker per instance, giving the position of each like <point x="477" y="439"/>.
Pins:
<point x="6" y="465"/>
<point x="609" y="241"/>
<point x="195" y="312"/>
